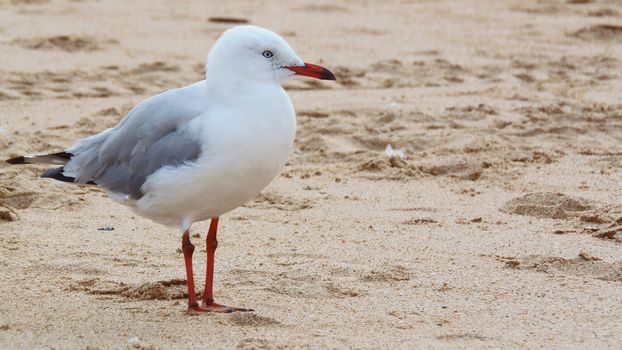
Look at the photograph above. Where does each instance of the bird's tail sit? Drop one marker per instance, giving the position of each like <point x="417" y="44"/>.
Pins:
<point x="59" y="158"/>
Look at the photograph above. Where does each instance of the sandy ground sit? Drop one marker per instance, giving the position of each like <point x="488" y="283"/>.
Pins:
<point x="501" y="228"/>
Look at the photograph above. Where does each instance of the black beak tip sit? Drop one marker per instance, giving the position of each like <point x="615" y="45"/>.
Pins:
<point x="328" y="75"/>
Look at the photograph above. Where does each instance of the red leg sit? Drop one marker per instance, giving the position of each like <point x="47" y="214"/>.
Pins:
<point x="188" y="249"/>
<point x="210" y="244"/>
<point x="207" y="296"/>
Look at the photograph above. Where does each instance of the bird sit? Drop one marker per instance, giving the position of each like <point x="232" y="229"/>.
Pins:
<point x="194" y="153"/>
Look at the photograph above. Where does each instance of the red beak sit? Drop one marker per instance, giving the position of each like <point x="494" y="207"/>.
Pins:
<point x="313" y="71"/>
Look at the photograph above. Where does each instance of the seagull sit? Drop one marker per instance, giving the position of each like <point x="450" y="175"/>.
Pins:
<point x="197" y="152"/>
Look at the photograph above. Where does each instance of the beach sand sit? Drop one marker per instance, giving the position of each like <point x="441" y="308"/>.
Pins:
<point x="501" y="228"/>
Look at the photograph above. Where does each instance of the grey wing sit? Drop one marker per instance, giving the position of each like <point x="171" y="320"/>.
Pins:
<point x="153" y="135"/>
<point x="173" y="149"/>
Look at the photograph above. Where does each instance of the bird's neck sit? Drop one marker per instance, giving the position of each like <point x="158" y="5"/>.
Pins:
<point x="236" y="90"/>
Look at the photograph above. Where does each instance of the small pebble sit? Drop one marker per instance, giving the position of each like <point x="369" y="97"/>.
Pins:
<point x="134" y="342"/>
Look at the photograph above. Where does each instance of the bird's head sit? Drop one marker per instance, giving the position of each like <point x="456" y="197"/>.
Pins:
<point x="254" y="53"/>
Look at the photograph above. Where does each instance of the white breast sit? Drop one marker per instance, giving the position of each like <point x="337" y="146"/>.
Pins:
<point x="245" y="148"/>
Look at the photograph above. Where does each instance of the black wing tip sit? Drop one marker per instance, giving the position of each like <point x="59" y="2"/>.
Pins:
<point x="28" y="160"/>
<point x="16" y="160"/>
<point x="57" y="174"/>
<point x="62" y="154"/>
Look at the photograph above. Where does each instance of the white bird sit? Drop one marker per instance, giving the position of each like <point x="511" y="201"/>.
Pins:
<point x="196" y="152"/>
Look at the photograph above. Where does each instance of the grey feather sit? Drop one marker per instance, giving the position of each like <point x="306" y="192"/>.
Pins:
<point x="148" y="156"/>
<point x="153" y="135"/>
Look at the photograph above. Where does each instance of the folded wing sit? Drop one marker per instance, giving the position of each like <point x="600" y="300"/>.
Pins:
<point x="155" y="134"/>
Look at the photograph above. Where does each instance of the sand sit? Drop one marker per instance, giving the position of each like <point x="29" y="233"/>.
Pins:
<point x="501" y="228"/>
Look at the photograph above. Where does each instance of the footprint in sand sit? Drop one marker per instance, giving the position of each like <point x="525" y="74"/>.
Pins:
<point x="585" y="265"/>
<point x="602" y="32"/>
<point x="65" y="43"/>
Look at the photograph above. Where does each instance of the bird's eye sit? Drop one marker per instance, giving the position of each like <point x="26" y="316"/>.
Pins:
<point x="267" y="54"/>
